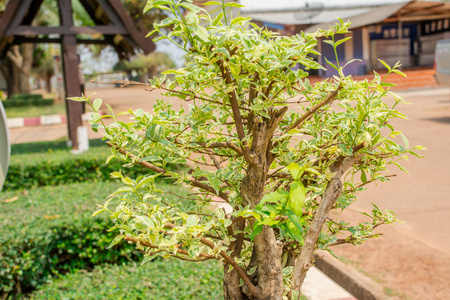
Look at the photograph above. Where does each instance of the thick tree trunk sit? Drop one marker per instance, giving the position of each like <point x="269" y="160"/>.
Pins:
<point x="151" y="72"/>
<point x="21" y="59"/>
<point x="15" y="89"/>
<point x="268" y="260"/>
<point x="266" y="252"/>
<point x="231" y="285"/>
<point x="48" y="83"/>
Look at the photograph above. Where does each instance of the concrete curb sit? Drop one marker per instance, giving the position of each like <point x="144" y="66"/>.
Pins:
<point x="357" y="284"/>
<point x="318" y="286"/>
<point x="42" y="120"/>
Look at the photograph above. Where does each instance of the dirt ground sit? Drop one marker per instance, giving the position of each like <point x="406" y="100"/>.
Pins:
<point x="412" y="260"/>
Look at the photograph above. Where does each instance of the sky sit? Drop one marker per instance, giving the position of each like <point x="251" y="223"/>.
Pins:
<point x="292" y="4"/>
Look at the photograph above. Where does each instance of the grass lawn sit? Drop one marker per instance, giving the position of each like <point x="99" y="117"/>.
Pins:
<point x="49" y="147"/>
<point x="159" y="279"/>
<point x="35" y="111"/>
<point x="53" y="248"/>
<point x="49" y="231"/>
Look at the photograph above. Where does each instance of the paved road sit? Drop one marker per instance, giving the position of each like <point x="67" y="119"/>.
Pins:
<point x="412" y="260"/>
<point x="421" y="199"/>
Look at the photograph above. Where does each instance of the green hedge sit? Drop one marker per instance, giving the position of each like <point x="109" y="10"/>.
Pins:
<point x="21" y="100"/>
<point x="158" y="280"/>
<point x="51" y="163"/>
<point x="61" y="167"/>
<point x="50" y="230"/>
<point x="50" y="147"/>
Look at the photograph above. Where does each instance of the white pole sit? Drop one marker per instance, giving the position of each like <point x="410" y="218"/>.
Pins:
<point x="5" y="147"/>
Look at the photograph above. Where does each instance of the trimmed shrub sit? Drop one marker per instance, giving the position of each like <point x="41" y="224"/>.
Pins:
<point x="50" y="231"/>
<point x="20" y="100"/>
<point x="37" y="164"/>
<point x="49" y="147"/>
<point x="61" y="167"/>
<point x="157" y="280"/>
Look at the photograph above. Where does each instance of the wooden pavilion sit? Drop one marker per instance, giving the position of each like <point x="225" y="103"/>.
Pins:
<point x="111" y="22"/>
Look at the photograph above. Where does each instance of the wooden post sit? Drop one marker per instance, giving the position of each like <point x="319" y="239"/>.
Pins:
<point x="367" y="53"/>
<point x="400" y="35"/>
<point x="72" y="87"/>
<point x="70" y="71"/>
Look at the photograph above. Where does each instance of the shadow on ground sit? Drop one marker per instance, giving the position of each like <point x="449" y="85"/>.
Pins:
<point x="445" y="120"/>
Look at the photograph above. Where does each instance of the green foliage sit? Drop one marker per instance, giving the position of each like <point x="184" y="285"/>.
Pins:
<point x="48" y="147"/>
<point x="280" y="151"/>
<point x="45" y="65"/>
<point x="50" y="230"/>
<point x="21" y="100"/>
<point x="157" y="280"/>
<point x="152" y="62"/>
<point x="58" y="167"/>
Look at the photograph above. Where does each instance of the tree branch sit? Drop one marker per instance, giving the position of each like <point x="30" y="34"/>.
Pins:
<point x="15" y="56"/>
<point x="228" y="145"/>
<point x="253" y="93"/>
<point x="332" y="192"/>
<point x="192" y="96"/>
<point x="192" y="181"/>
<point x="351" y="239"/>
<point x="255" y="291"/>
<point x="236" y="113"/>
<point x="331" y="96"/>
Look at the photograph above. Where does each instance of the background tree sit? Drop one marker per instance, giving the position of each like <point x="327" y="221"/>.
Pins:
<point x="286" y="156"/>
<point x="18" y="66"/>
<point x="20" y="58"/>
<point x="45" y="68"/>
<point x="146" y="65"/>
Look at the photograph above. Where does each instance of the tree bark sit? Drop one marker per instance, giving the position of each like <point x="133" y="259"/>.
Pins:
<point x="268" y="260"/>
<point x="21" y="60"/>
<point x="231" y="285"/>
<point x="48" y="83"/>
<point x="331" y="194"/>
<point x="306" y="256"/>
<point x="266" y="252"/>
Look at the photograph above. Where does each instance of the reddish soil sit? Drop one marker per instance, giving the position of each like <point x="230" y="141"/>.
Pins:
<point x="406" y="267"/>
<point x="412" y="260"/>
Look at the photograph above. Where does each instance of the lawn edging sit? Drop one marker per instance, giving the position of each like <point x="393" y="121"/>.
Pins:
<point x="357" y="284"/>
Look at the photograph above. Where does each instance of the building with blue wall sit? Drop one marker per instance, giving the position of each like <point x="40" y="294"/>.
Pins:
<point x="391" y="30"/>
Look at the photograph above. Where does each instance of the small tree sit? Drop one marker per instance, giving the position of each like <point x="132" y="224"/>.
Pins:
<point x="148" y="65"/>
<point x="45" y="68"/>
<point x="283" y="153"/>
